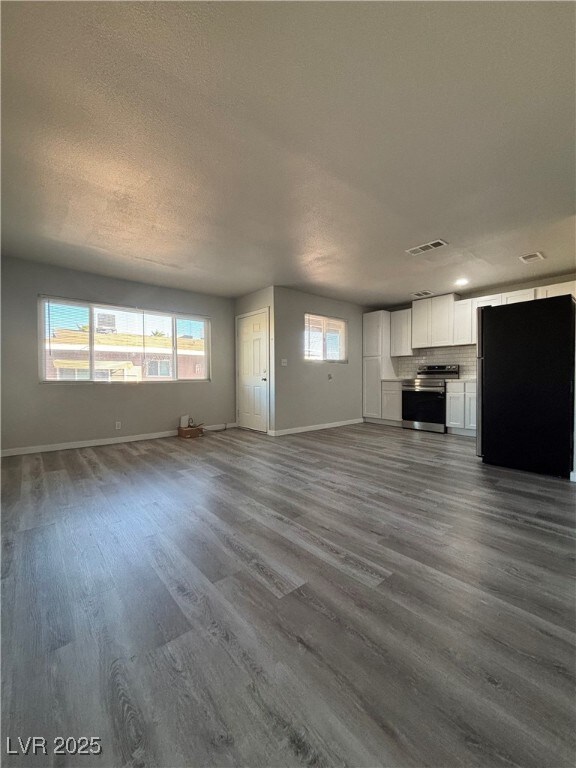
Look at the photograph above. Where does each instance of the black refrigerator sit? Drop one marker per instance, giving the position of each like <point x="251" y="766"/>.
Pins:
<point x="526" y="385"/>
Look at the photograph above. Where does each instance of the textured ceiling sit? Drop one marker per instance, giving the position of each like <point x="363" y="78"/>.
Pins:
<point x="222" y="147"/>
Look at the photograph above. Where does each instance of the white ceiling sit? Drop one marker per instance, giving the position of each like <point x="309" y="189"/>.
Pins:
<point x="223" y="147"/>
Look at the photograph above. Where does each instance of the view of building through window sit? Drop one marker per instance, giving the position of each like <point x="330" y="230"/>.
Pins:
<point x="89" y="342"/>
<point x="324" y="338"/>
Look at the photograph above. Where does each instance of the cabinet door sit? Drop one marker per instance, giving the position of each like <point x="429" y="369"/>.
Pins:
<point x="442" y="321"/>
<point x="470" y="410"/>
<point x="558" y="289"/>
<point x="401" y="333"/>
<point x="515" y="297"/>
<point x="391" y="405"/>
<point x="463" y="322"/>
<point x="372" y="390"/>
<point x="372" y="334"/>
<point x="483" y="301"/>
<point x="455" y="410"/>
<point x="421" y="314"/>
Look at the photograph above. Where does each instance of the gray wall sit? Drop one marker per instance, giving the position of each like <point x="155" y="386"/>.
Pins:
<point x="35" y="413"/>
<point x="304" y="394"/>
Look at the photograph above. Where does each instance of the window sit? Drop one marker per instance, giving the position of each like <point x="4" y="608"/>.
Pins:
<point x="324" y="338"/>
<point x="90" y="342"/>
<point x="160" y="368"/>
<point x="73" y="374"/>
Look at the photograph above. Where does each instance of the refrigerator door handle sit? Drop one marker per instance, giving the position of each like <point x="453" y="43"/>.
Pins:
<point x="479" y="366"/>
<point x="479" y="383"/>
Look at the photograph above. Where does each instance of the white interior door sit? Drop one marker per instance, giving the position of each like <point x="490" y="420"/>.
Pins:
<point x="252" y="370"/>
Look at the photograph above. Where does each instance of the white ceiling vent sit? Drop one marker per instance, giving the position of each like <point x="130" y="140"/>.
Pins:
<point x="528" y="258"/>
<point x="426" y="247"/>
<point x="421" y="294"/>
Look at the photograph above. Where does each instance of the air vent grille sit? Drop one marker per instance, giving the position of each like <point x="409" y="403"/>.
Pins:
<point x="426" y="247"/>
<point x="528" y="258"/>
<point x="422" y="294"/>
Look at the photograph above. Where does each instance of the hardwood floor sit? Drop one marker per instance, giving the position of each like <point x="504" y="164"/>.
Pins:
<point x="361" y="596"/>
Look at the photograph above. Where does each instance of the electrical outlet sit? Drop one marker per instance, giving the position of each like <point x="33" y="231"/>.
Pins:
<point x="118" y="425"/>
<point x="284" y="362"/>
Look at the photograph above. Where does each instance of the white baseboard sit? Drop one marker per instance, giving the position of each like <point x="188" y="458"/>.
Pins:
<point x="103" y="441"/>
<point x="462" y="432"/>
<point x="312" y="427"/>
<point x="385" y="422"/>
<point x="573" y="477"/>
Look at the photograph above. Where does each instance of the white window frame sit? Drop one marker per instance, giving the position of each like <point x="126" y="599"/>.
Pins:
<point x="92" y="306"/>
<point x="324" y="319"/>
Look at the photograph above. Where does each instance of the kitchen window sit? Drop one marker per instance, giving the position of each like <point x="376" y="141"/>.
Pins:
<point x="80" y="341"/>
<point x="325" y="338"/>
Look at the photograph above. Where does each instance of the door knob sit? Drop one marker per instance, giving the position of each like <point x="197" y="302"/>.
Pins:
<point x="264" y="379"/>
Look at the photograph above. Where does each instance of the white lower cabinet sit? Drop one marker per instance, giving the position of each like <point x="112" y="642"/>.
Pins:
<point x="455" y="409"/>
<point x="372" y="387"/>
<point x="461" y="405"/>
<point x="392" y="400"/>
<point x="470" y="410"/>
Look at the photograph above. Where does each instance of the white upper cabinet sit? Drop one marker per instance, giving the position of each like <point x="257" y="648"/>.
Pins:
<point x="433" y="321"/>
<point x="483" y="301"/>
<point x="376" y="340"/>
<point x="421" y="317"/>
<point x="515" y="297"/>
<point x="442" y="321"/>
<point x="372" y="334"/>
<point x="559" y="289"/>
<point x="463" y="321"/>
<point x="401" y="333"/>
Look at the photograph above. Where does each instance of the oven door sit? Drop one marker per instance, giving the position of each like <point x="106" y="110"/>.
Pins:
<point x="424" y="409"/>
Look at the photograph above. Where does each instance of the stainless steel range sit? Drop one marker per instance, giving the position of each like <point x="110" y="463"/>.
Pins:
<point x="424" y="398"/>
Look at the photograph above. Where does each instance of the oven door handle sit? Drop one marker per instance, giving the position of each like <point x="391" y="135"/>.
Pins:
<point x="438" y="390"/>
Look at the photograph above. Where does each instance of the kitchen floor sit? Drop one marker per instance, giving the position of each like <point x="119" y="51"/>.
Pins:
<point x="361" y="596"/>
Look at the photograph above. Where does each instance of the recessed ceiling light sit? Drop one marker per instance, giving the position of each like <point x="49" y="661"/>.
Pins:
<point x="462" y="281"/>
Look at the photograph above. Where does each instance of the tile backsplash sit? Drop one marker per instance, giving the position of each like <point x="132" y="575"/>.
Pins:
<point x="465" y="357"/>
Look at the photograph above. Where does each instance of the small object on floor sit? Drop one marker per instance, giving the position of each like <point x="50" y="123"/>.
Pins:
<point x="194" y="430"/>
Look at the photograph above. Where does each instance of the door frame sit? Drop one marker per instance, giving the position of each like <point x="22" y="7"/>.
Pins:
<point x="268" y="356"/>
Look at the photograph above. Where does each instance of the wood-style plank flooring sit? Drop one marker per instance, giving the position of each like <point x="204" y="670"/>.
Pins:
<point x="362" y="596"/>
